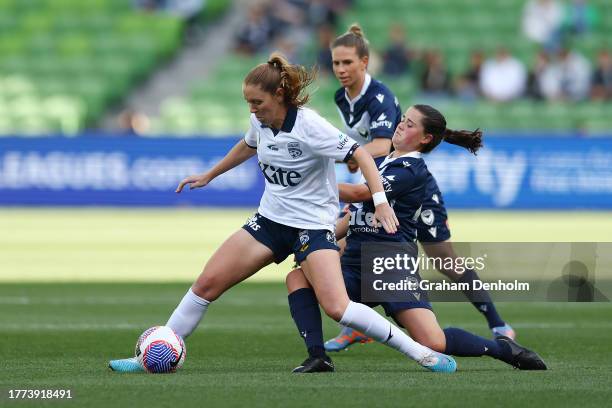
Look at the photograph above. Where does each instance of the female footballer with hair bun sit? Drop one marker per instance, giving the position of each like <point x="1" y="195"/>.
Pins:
<point x="296" y="149"/>
<point x="405" y="177"/>
<point x="371" y="112"/>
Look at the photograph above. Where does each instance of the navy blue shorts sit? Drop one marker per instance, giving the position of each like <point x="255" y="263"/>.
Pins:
<point x="432" y="225"/>
<point x="352" y="281"/>
<point x="284" y="240"/>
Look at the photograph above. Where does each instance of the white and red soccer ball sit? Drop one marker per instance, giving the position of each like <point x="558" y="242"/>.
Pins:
<point x="160" y="350"/>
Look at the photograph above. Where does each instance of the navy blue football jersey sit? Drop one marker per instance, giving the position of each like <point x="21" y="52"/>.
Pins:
<point x="405" y="182"/>
<point x="432" y="225"/>
<point x="374" y="113"/>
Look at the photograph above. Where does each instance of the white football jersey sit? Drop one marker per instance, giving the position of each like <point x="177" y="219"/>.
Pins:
<point x="298" y="166"/>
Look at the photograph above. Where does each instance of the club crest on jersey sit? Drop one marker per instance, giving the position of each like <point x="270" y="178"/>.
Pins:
<point x="294" y="149"/>
<point x="304" y="238"/>
<point x="428" y="217"/>
<point x="331" y="237"/>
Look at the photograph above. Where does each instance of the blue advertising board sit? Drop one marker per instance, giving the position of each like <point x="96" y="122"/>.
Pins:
<point x="509" y="173"/>
<point x="121" y="171"/>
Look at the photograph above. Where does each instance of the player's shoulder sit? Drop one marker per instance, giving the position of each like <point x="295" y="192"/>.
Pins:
<point x="312" y="124"/>
<point x="378" y="91"/>
<point x="413" y="164"/>
<point x="255" y="123"/>
<point x="309" y="117"/>
<point x="339" y="95"/>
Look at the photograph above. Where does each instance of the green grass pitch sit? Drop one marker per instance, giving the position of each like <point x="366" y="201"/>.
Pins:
<point x="59" y="334"/>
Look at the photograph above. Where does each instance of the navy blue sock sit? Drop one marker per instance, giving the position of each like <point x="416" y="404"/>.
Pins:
<point x="481" y="300"/>
<point x="465" y="344"/>
<point x="305" y="311"/>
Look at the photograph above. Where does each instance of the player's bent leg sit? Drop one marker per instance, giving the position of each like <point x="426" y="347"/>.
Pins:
<point x="479" y="298"/>
<point x="222" y="271"/>
<point x="423" y="327"/>
<point x="296" y="280"/>
<point x="239" y="257"/>
<point x="463" y="343"/>
<point x="322" y="268"/>
<point x="304" y="309"/>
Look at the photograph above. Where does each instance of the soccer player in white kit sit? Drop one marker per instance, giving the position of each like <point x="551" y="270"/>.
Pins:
<point x="296" y="149"/>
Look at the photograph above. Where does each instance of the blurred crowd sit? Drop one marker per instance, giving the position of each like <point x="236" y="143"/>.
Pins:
<point x="557" y="72"/>
<point x="286" y="24"/>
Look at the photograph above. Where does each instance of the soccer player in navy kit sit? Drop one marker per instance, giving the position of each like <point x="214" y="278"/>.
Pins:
<point x="370" y="113"/>
<point x="405" y="178"/>
<point x="296" y="149"/>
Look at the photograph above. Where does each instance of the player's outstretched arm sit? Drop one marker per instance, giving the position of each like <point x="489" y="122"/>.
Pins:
<point x="378" y="147"/>
<point x="384" y="213"/>
<point x="239" y="154"/>
<point x="354" y="193"/>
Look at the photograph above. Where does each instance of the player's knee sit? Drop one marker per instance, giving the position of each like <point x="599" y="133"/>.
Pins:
<point x="335" y="310"/>
<point x="206" y="289"/>
<point x="436" y="343"/>
<point x="296" y="280"/>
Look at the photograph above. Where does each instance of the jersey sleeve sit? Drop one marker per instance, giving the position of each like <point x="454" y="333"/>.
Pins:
<point x="383" y="111"/>
<point x="250" y="137"/>
<point x="327" y="141"/>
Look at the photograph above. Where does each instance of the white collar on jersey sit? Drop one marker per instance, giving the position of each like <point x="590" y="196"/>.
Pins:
<point x="364" y="88"/>
<point x="389" y="159"/>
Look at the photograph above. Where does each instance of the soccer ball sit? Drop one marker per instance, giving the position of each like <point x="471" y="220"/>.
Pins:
<point x="160" y="350"/>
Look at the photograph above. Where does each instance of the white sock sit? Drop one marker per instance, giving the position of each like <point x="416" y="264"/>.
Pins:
<point x="362" y="318"/>
<point x="188" y="314"/>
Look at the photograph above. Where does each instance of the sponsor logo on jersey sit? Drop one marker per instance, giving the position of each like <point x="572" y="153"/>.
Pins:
<point x="344" y="139"/>
<point x="417" y="295"/>
<point x="277" y="175"/>
<point x="428" y="217"/>
<point x="380" y="98"/>
<point x="294" y="149"/>
<point x="386" y="182"/>
<point x="273" y="147"/>
<point x="252" y="223"/>
<point x="435" y="198"/>
<point x="406" y="163"/>
<point x="381" y="121"/>
<point x="363" y="132"/>
<point x="362" y="218"/>
<point x="433" y="231"/>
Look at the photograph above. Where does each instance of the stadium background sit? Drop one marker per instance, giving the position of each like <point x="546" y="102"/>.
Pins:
<point x="106" y="104"/>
